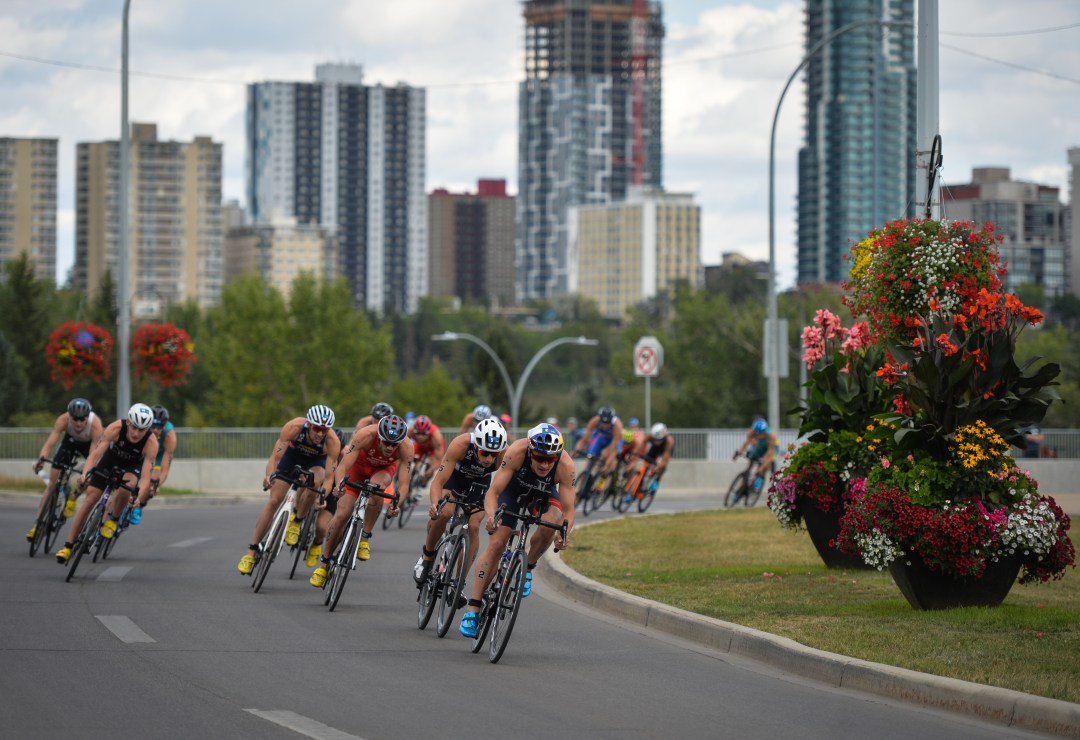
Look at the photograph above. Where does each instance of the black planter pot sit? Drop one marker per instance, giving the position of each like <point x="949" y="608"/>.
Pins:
<point x="823" y="527"/>
<point x="929" y="589"/>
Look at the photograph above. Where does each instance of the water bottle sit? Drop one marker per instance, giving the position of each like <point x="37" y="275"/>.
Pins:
<point x="44" y="475"/>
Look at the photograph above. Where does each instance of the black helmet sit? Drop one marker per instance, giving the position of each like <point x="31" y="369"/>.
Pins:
<point x="392" y="429"/>
<point x="381" y="410"/>
<point x="79" y="408"/>
<point x="606" y="414"/>
<point x="161" y="415"/>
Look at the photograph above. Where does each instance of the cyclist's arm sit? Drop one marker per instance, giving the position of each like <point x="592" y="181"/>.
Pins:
<point x="770" y="454"/>
<point x="669" y="445"/>
<point x="587" y="434"/>
<point x="501" y="478"/>
<point x="142" y="485"/>
<point x="746" y="443"/>
<point x="53" y="438"/>
<point x="564" y="479"/>
<point x="406" y="453"/>
<point x="111" y="434"/>
<point x="169" y="442"/>
<point x="361" y="441"/>
<point x="333" y="451"/>
<point x="288" y="434"/>
<point x="616" y="437"/>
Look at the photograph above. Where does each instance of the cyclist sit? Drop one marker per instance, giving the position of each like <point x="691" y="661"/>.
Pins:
<point x="761" y="441"/>
<point x="535" y="472"/>
<point x="126" y="447"/>
<point x="507" y="424"/>
<point x="466" y="473"/>
<point x="602" y="438"/>
<point x="77" y="430"/>
<point x="163" y="429"/>
<point x="374" y="455"/>
<point x="307" y="442"/>
<point x="473" y="418"/>
<point x="428" y="444"/>
<point x="655" y="451"/>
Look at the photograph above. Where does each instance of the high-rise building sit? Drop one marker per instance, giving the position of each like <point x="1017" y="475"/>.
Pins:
<point x="279" y="252"/>
<point x="176" y="230"/>
<point x="351" y="158"/>
<point x="1029" y="216"/>
<point x="857" y="163"/>
<point x="471" y="248"/>
<point x="28" y="202"/>
<point x="588" y="122"/>
<point x="624" y="253"/>
<point x="1072" y="223"/>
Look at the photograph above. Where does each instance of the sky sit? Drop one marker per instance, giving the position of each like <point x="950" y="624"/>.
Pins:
<point x="1009" y="89"/>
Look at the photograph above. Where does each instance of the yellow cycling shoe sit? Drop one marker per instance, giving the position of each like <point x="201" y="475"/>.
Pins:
<point x="363" y="550"/>
<point x="108" y="529"/>
<point x="292" y="532"/>
<point x="63" y="555"/>
<point x="69" y="508"/>
<point x="31" y="533"/>
<point x="318" y="578"/>
<point x="247" y="563"/>
<point x="313" y="554"/>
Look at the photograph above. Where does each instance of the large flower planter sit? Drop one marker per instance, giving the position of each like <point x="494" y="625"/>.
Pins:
<point x="823" y="527"/>
<point x="928" y="589"/>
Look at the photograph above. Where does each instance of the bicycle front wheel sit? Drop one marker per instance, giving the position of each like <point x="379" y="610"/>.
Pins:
<point x="453" y="582"/>
<point x="509" y="603"/>
<point x="44" y="523"/>
<point x="307" y="539"/>
<point x="85" y="538"/>
<point x="429" y="589"/>
<point x="270" y="546"/>
<point x="54" y="520"/>
<point x="753" y="493"/>
<point x="406" y="512"/>
<point x="342" y="566"/>
<point x="647" y="495"/>
<point x="736" y="491"/>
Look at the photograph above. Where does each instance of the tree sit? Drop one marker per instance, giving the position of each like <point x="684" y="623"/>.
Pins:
<point x="433" y="393"/>
<point x="26" y="320"/>
<point x="12" y="380"/>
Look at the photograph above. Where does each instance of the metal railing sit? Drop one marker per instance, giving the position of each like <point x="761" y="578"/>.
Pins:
<point x="255" y="443"/>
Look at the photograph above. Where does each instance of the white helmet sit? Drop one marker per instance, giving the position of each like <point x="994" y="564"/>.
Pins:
<point x="481" y="412"/>
<point x="658" y="431"/>
<point x="141" y="416"/>
<point x="489" y="435"/>
<point x="320" y="416"/>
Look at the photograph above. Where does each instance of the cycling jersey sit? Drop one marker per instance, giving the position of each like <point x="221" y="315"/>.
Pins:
<point x="760" y="447"/>
<point x="655" y="449"/>
<point x="74" y="444"/>
<point x="304" y="452"/>
<point x="471" y="478"/>
<point x="122" y="454"/>
<point x="601" y="438"/>
<point x="527" y="487"/>
<point x="87" y="430"/>
<point x="422" y="447"/>
<point x="370" y="461"/>
<point x="161" y="447"/>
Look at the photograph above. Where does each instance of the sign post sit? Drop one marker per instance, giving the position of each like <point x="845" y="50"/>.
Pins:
<point x="648" y="359"/>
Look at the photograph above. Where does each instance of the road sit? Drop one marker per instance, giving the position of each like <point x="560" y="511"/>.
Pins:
<point x="166" y="640"/>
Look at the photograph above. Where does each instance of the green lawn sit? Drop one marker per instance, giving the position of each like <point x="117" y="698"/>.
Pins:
<point x="742" y="567"/>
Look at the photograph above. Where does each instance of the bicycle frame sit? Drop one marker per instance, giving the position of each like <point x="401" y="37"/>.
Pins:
<point x="51" y="513"/>
<point x="344" y="560"/>
<point x="274" y="539"/>
<point x="90" y="534"/>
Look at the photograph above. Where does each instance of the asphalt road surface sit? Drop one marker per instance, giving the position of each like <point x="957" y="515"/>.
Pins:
<point x="166" y="640"/>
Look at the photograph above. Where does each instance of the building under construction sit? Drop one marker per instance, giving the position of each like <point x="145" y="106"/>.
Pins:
<point x="588" y="125"/>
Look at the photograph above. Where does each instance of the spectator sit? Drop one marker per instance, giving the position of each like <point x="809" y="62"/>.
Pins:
<point x="1034" y="438"/>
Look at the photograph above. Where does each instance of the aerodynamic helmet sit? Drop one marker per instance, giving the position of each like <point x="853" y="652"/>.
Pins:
<point x="489" y="436"/>
<point x="392" y="429"/>
<point x="79" y="408"/>
<point x="320" y="416"/>
<point x="545" y="439"/>
<point x="141" y="416"/>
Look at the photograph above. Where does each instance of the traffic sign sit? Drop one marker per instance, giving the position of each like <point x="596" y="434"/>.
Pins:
<point x="648" y="357"/>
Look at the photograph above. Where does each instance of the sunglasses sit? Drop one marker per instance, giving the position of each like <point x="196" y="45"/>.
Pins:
<point x="545" y="459"/>
<point x="78" y="418"/>
<point x="486" y="453"/>
<point x="317" y="428"/>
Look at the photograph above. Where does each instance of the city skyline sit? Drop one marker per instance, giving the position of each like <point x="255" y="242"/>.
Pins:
<point x="724" y="66"/>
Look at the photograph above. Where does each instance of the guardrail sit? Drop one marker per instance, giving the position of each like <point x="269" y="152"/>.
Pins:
<point x="250" y="443"/>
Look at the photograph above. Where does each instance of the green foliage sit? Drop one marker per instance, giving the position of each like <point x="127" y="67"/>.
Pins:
<point x="842" y="396"/>
<point x="434" y="394"/>
<point x="12" y="380"/>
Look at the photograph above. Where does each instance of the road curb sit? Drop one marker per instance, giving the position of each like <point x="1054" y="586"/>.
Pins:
<point x="1012" y="708"/>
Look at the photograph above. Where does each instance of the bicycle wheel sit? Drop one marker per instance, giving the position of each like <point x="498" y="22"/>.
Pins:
<point x="44" y="522"/>
<point x="121" y="525"/>
<point x="83" y="541"/>
<point x="307" y="539"/>
<point x="753" y="493"/>
<point x="485" y="615"/>
<point x="736" y="491"/>
<point x="508" y="605"/>
<point x="647" y="495"/>
<point x="453" y="582"/>
<point x="55" y="519"/>
<point x="270" y="545"/>
<point x="346" y="557"/>
<point x="429" y="589"/>
<point x="386" y="519"/>
<point x="406" y="511"/>
<point x="584" y="485"/>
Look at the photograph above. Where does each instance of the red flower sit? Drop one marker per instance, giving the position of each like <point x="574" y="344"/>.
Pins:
<point x="79" y="349"/>
<point x="164" y="353"/>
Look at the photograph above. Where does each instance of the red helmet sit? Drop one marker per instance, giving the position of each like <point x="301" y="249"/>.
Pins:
<point x="422" y="425"/>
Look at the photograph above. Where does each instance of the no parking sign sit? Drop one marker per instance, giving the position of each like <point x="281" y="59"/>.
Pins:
<point x="648" y="357"/>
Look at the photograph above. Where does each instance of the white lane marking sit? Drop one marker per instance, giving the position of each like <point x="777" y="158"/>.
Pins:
<point x="115" y="573"/>
<point x="124" y="629"/>
<point x="191" y="542"/>
<point x="303" y="725"/>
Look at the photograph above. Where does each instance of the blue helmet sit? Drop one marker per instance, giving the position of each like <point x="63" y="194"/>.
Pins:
<point x="760" y="425"/>
<point x="606" y="414"/>
<point x="545" y="439"/>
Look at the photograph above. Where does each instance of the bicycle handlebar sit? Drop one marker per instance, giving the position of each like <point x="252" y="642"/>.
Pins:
<point x="60" y="464"/>
<point x="297" y="477"/>
<point x="371" y="490"/>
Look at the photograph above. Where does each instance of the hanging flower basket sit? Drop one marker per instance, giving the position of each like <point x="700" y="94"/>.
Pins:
<point x="164" y="353"/>
<point x="79" y="349"/>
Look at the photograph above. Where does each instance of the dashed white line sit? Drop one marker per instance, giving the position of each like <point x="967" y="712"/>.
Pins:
<point x="124" y="629"/>
<point x="115" y="573"/>
<point x="192" y="542"/>
<point x="303" y="725"/>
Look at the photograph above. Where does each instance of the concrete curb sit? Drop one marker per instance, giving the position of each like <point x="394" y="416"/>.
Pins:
<point x="1012" y="708"/>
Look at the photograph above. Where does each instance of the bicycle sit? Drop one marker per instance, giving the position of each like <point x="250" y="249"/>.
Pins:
<point x="306" y="540"/>
<point x="585" y="483"/>
<point x="124" y="521"/>
<point x="344" y="560"/>
<point x="502" y="597"/>
<point x="417" y="483"/>
<point x="445" y="581"/>
<point x="745" y="488"/>
<point x="298" y="480"/>
<point x="90" y="534"/>
<point x="641" y="488"/>
<point x="51" y="519"/>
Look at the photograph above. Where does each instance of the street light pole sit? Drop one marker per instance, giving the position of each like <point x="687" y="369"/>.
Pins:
<point x="778" y="343"/>
<point x="123" y="279"/>
<point x="524" y="378"/>
<point x="449" y="336"/>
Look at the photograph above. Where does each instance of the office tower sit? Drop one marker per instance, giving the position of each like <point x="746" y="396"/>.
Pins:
<point x="588" y="122"/>
<point x="471" y="249"/>
<point x="351" y="158"/>
<point x="1029" y="216"/>
<point x="176" y="230"/>
<point x="28" y="202"/>
<point x="857" y="162"/>
<point x="1072" y="223"/>
<point x="627" y="252"/>
<point x="279" y="251"/>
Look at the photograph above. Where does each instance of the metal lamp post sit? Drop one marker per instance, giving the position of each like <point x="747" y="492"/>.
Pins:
<point x="123" y="279"/>
<point x="450" y="336"/>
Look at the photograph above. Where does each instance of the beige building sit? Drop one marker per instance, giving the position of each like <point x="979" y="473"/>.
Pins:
<point x="279" y="252"/>
<point x="28" y="202"/>
<point x="471" y="244"/>
<point x="624" y="253"/>
<point x="176" y="223"/>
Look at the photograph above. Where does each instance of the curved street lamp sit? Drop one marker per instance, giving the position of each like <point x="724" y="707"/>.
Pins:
<point x="449" y="336"/>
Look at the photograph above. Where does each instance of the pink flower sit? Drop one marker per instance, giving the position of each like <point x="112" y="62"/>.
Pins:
<point x="830" y="322"/>
<point x="885" y="462"/>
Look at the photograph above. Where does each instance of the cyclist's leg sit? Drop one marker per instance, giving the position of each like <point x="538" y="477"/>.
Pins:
<point x="474" y="537"/>
<point x="89" y="500"/>
<point x="486" y="567"/>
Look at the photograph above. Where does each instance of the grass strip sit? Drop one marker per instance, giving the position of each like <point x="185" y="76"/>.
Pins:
<point x="741" y="567"/>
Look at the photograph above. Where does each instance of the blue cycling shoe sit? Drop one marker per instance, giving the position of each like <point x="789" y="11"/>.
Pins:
<point x="470" y="622"/>
<point x="136" y="515"/>
<point x="527" y="588"/>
